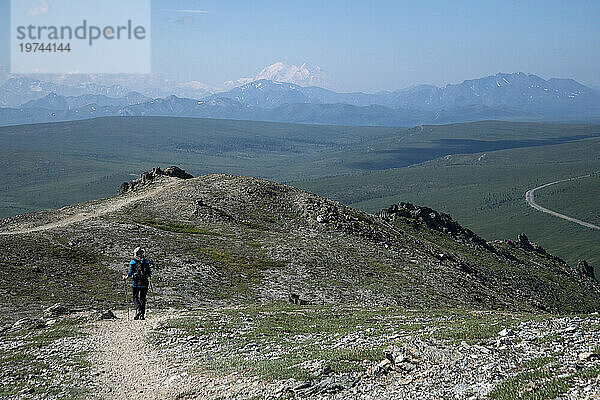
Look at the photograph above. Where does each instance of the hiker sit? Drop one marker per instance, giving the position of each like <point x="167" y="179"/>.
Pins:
<point x="139" y="270"/>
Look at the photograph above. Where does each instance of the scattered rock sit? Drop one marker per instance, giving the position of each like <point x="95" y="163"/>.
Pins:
<point x="27" y="323"/>
<point x="301" y="386"/>
<point x="506" y="332"/>
<point x="330" y="384"/>
<point x="56" y="310"/>
<point x="403" y="358"/>
<point x="530" y="387"/>
<point x="108" y="314"/>
<point x="295" y="299"/>
<point x="587" y="356"/>
<point x="327" y="370"/>
<point x="381" y="368"/>
<point x="570" y="329"/>
<point x="342" y="218"/>
<point x="5" y="328"/>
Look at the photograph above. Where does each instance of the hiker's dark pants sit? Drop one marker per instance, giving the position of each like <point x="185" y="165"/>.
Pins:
<point x="139" y="299"/>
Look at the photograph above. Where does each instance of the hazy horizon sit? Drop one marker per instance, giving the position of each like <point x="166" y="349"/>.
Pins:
<point x="371" y="46"/>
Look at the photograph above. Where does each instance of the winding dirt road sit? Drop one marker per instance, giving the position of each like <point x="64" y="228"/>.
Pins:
<point x="529" y="197"/>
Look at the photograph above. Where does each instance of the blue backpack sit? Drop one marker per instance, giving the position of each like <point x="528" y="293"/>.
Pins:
<point x="141" y="271"/>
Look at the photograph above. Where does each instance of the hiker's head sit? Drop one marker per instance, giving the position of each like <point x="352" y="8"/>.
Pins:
<point x="138" y="252"/>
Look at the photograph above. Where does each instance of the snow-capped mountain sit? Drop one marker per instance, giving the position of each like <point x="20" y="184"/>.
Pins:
<point x="304" y="75"/>
<point x="519" y="90"/>
<point x="19" y="90"/>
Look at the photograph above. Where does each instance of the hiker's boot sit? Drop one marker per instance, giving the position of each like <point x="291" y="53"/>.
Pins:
<point x="142" y="317"/>
<point x="137" y="316"/>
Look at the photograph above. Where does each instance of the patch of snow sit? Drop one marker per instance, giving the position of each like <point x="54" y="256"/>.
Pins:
<point x="304" y="75"/>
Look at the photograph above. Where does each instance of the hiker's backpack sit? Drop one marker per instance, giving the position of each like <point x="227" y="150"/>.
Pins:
<point x="141" y="271"/>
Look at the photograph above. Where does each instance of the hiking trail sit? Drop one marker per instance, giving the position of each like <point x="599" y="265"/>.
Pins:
<point x="127" y="366"/>
<point x="85" y="211"/>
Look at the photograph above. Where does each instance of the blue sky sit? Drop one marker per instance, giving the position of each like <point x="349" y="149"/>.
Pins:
<point x="371" y="45"/>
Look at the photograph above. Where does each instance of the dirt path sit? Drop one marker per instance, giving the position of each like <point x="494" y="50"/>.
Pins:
<point x="126" y="366"/>
<point x="529" y="197"/>
<point x="86" y="211"/>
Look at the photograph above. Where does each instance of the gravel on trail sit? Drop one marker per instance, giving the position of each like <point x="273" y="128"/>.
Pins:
<point x="126" y="366"/>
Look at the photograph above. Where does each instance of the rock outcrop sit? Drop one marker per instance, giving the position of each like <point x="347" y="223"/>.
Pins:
<point x="147" y="177"/>
<point x="585" y="270"/>
<point x="338" y="216"/>
<point x="434" y="220"/>
<point x="524" y="243"/>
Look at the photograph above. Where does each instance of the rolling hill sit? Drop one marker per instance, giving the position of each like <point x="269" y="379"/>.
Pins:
<point x="224" y="239"/>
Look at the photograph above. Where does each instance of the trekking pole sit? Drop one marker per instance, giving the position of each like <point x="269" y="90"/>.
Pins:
<point x="126" y="299"/>
<point x="151" y="287"/>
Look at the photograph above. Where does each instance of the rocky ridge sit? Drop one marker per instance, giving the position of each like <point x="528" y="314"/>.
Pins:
<point x="434" y="220"/>
<point x="228" y="239"/>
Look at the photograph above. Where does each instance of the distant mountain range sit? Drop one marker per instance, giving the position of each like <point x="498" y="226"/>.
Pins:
<point x="518" y="90"/>
<point x="516" y="96"/>
<point x="56" y="102"/>
<point x="17" y="90"/>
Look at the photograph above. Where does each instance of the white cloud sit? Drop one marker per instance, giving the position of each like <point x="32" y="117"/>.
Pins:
<point x="40" y="9"/>
<point x="189" y="11"/>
